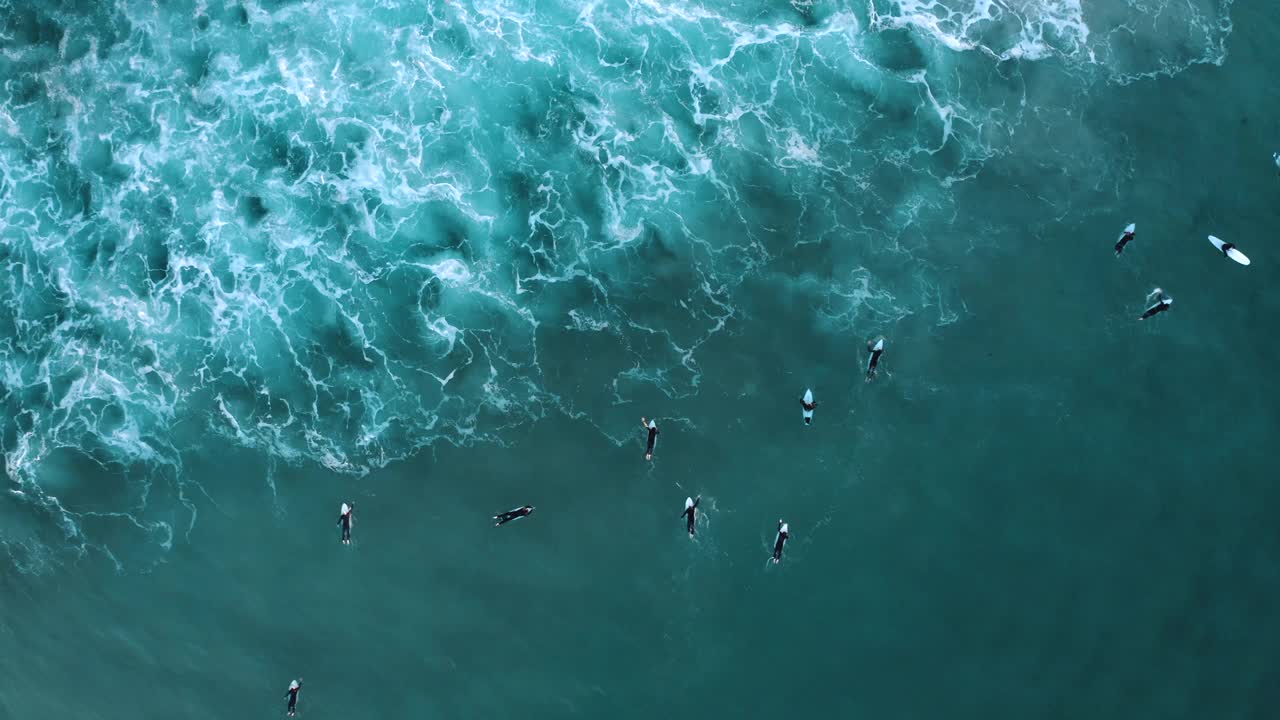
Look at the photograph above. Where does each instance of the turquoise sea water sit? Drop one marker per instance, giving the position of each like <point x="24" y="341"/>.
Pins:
<point x="439" y="258"/>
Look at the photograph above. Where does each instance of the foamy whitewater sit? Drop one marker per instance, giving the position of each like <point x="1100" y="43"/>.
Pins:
<point x="340" y="233"/>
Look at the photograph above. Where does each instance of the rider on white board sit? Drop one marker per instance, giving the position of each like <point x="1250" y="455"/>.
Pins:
<point x="346" y="515"/>
<point x="295" y="687"/>
<point x="691" y="514"/>
<point x="516" y="514"/>
<point x="652" y="427"/>
<point x="876" y="347"/>
<point x="783" y="534"/>
<point x="1162" y="303"/>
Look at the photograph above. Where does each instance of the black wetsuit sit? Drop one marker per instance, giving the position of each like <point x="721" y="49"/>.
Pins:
<point x="808" y="407"/>
<point x="875" y="360"/>
<point x="345" y="522"/>
<point x="293" y="698"/>
<point x="1156" y="309"/>
<point x="1123" y="241"/>
<point x="691" y="513"/>
<point x="653" y="438"/>
<point x="1226" y="248"/>
<point x="510" y="515"/>
<point x="777" y="544"/>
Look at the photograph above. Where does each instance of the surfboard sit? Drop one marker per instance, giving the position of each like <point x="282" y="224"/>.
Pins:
<point x="688" y="503"/>
<point x="345" y="509"/>
<point x="1233" y="253"/>
<point x="808" y="400"/>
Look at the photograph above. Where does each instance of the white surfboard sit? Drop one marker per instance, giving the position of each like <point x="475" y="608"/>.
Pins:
<point x="688" y="503"/>
<point x="1232" y="253"/>
<point x="345" y="509"/>
<point x="808" y="400"/>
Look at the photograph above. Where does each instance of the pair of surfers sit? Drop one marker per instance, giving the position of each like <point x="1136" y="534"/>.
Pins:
<point x="1228" y="250"/>
<point x="690" y="515"/>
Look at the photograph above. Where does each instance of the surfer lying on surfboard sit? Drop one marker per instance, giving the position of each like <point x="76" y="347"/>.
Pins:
<point x="784" y="533"/>
<point x="1162" y="303"/>
<point x="691" y="514"/>
<point x="652" y="427"/>
<point x="508" y="516"/>
<point x="808" y="403"/>
<point x="1125" y="238"/>
<point x="345" y="516"/>
<point x="876" y="347"/>
<point x="295" y="687"/>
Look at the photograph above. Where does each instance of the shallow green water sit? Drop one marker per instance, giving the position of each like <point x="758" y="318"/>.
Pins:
<point x="440" y="258"/>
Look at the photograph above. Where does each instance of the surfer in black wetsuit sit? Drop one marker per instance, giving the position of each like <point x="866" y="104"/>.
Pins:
<point x="652" y="427"/>
<point x="1162" y="304"/>
<point x="783" y="534"/>
<point x="1124" y="240"/>
<point x="877" y="349"/>
<point x="808" y="407"/>
<point x="1226" y="249"/>
<point x="295" y="687"/>
<point x="508" y="516"/>
<point x="345" y="516"/>
<point x="691" y="513"/>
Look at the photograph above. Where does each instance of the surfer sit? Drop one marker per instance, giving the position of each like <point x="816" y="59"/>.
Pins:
<point x="691" y="513"/>
<point x="1162" y="303"/>
<point x="652" y="427"/>
<point x="876" y="348"/>
<point x="783" y="534"/>
<point x="508" y="516"/>
<point x="345" y="516"/>
<point x="1124" y="239"/>
<point x="808" y="403"/>
<point x="294" y="688"/>
<point x="1229" y="250"/>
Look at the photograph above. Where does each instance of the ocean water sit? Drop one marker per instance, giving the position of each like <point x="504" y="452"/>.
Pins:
<point x="440" y="257"/>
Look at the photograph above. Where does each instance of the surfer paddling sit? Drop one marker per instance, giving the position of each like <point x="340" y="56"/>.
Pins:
<point x="1162" y="303"/>
<point x="508" y="516"/>
<point x="876" y="348"/>
<point x="808" y="403"/>
<point x="295" y="687"/>
<point x="783" y="534"/>
<point x="691" y="514"/>
<point x="346" y="514"/>
<point x="1125" y="238"/>
<point x="652" y="427"/>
